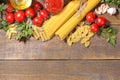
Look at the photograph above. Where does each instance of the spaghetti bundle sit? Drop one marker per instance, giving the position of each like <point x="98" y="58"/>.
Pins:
<point x="56" y="21"/>
<point x="75" y="19"/>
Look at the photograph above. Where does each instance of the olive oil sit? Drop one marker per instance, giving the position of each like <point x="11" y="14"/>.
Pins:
<point x="21" y="4"/>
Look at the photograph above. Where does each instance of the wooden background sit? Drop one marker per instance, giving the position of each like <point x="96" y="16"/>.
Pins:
<point x="57" y="49"/>
<point x="55" y="60"/>
<point x="60" y="70"/>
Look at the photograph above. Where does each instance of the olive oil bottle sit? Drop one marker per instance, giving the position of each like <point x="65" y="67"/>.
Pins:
<point x="21" y="4"/>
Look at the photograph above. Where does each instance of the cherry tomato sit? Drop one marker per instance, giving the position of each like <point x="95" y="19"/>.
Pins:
<point x="43" y="13"/>
<point x="53" y="6"/>
<point x="9" y="8"/>
<point x="30" y="12"/>
<point x="20" y="16"/>
<point x="90" y="17"/>
<point x="37" y="5"/>
<point x="10" y="17"/>
<point x="37" y="21"/>
<point x="94" y="28"/>
<point x="101" y="21"/>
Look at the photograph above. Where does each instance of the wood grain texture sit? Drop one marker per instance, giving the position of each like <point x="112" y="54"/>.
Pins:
<point x="18" y="60"/>
<point x="60" y="70"/>
<point x="56" y="49"/>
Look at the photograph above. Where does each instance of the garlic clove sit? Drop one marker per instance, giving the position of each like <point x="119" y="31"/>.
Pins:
<point x="102" y="9"/>
<point x="97" y="11"/>
<point x="112" y="11"/>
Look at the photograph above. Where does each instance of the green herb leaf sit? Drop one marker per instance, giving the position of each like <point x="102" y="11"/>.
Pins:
<point x="113" y="41"/>
<point x="25" y="31"/>
<point x="19" y="28"/>
<point x="109" y="34"/>
<point x="103" y="34"/>
<point x="2" y="7"/>
<point x="18" y="36"/>
<point x="3" y="25"/>
<point x="108" y="40"/>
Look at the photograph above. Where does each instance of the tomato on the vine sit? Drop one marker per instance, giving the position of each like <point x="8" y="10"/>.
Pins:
<point x="101" y="21"/>
<point x="37" y="5"/>
<point x="30" y="12"/>
<point x="9" y="8"/>
<point x="37" y="21"/>
<point x="90" y="17"/>
<point x="94" y="28"/>
<point x="43" y="13"/>
<point x="10" y="17"/>
<point x="20" y="16"/>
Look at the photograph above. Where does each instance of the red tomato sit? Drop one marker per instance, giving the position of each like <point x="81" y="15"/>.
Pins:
<point x="37" y="5"/>
<point x="90" y="17"/>
<point x="37" y="21"/>
<point x="94" y="28"/>
<point x="10" y="17"/>
<point x="20" y="16"/>
<point x="101" y="21"/>
<point x="53" y="6"/>
<point x="9" y="8"/>
<point x="30" y="12"/>
<point x="43" y="13"/>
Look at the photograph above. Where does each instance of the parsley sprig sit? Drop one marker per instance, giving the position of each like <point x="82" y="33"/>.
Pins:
<point x="3" y="24"/>
<point x="24" y="31"/>
<point x="109" y="34"/>
<point x="2" y="7"/>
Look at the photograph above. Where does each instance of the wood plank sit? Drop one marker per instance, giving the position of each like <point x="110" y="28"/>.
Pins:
<point x="56" y="49"/>
<point x="60" y="70"/>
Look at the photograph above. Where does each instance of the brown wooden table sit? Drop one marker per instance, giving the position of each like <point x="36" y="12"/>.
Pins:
<point x="57" y="49"/>
<point x="55" y="60"/>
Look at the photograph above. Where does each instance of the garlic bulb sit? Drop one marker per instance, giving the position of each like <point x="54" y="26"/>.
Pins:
<point x="112" y="11"/>
<point x="102" y="9"/>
